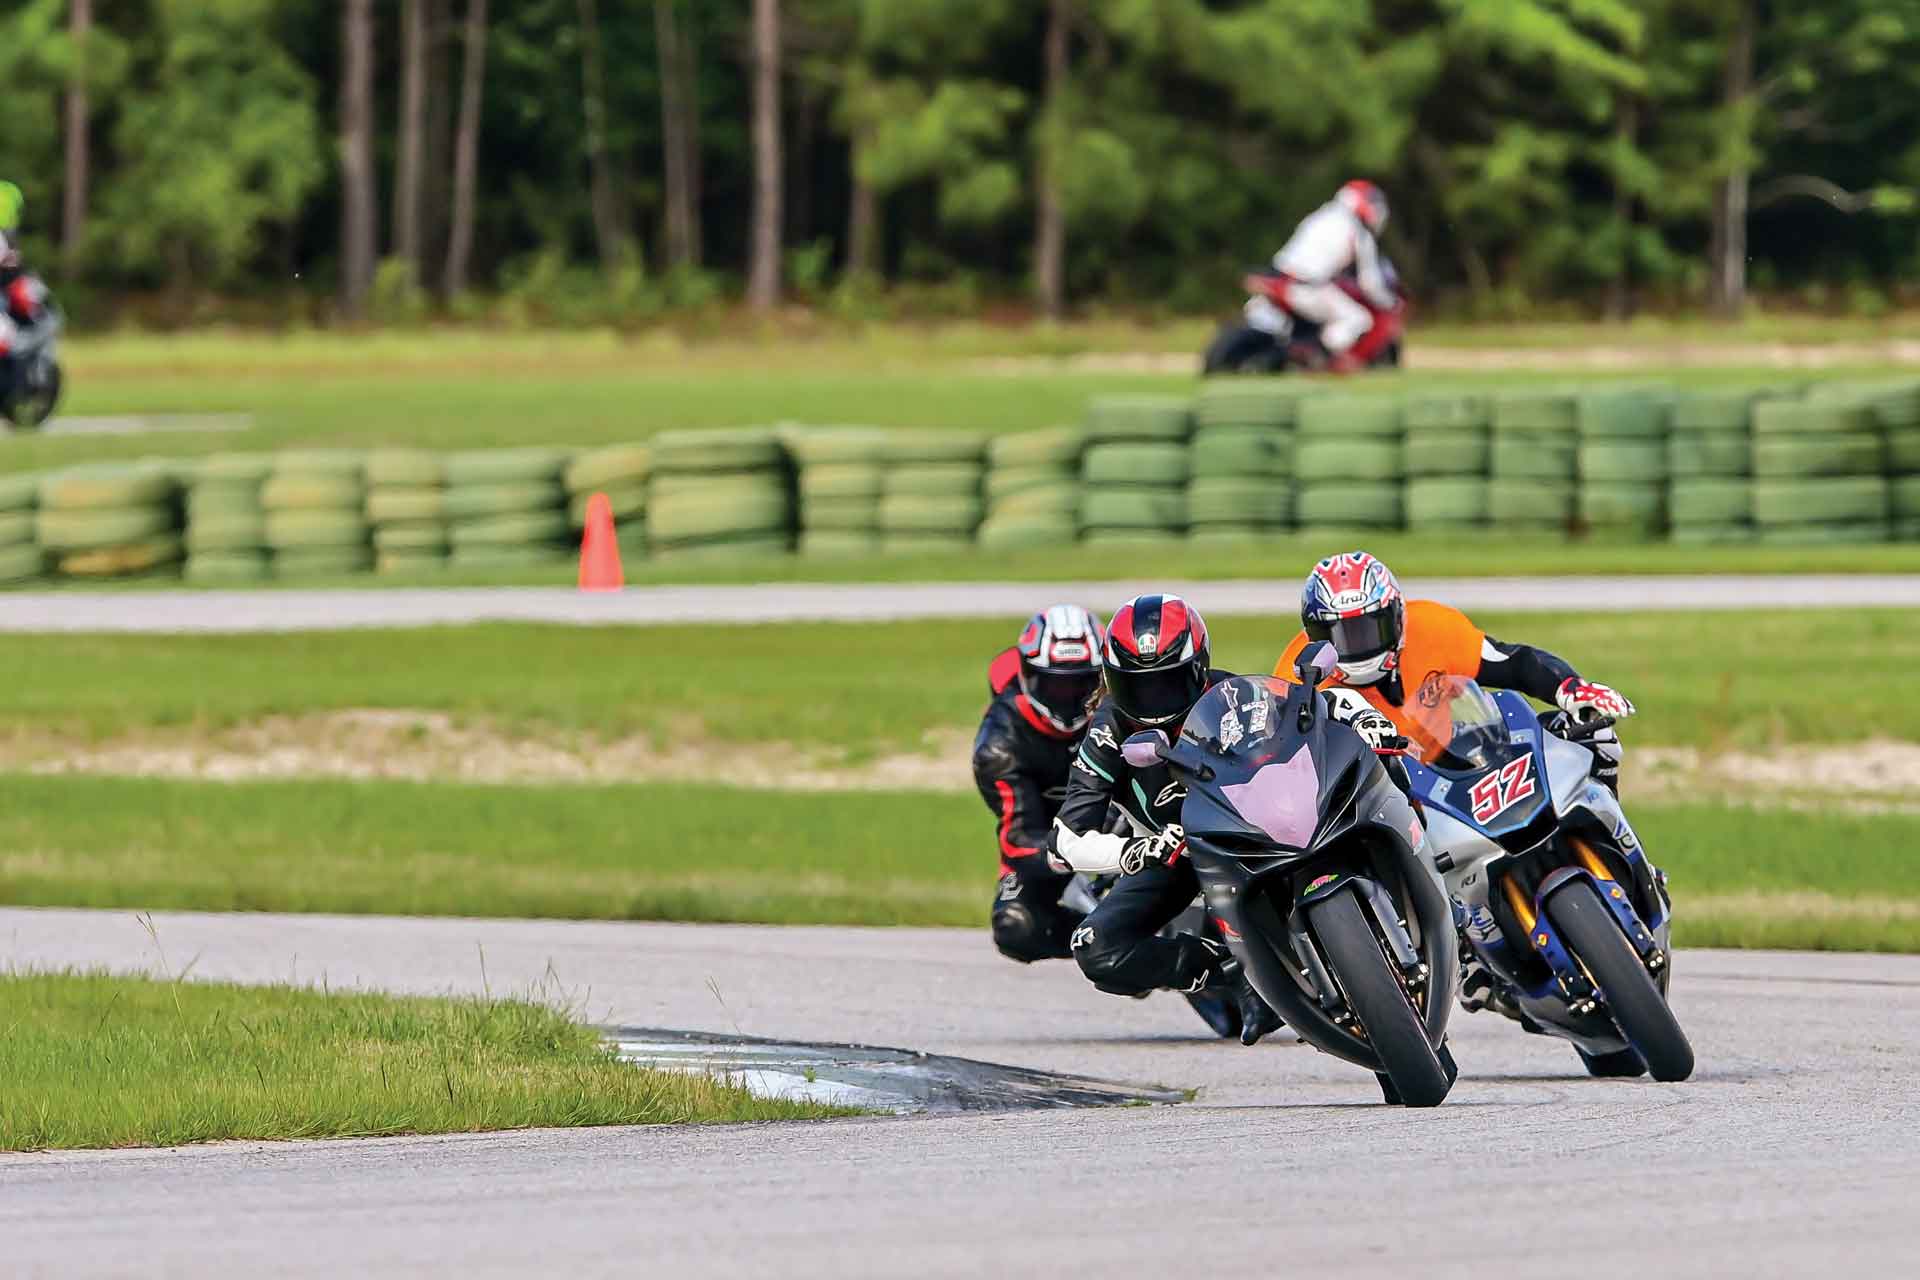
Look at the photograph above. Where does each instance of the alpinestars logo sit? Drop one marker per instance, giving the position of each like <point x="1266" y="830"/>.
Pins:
<point x="1009" y="887"/>
<point x="1102" y="736"/>
<point x="1082" y="937"/>
<point x="1168" y="794"/>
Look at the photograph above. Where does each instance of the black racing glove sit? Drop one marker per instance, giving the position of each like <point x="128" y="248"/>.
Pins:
<point x="1163" y="846"/>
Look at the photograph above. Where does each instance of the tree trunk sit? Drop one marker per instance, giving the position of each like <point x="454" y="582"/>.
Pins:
<point x="1050" y="225"/>
<point x="863" y="229"/>
<point x="79" y="159"/>
<point x="1620" y="287"/>
<point x="763" y="277"/>
<point x="358" y="198"/>
<point x="679" y="114"/>
<point x="466" y="148"/>
<point x="436" y="159"/>
<point x="609" y="227"/>
<point x="1727" y="245"/>
<point x="412" y="133"/>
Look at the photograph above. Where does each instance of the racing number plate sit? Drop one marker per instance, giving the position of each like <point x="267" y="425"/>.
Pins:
<point x="1500" y="790"/>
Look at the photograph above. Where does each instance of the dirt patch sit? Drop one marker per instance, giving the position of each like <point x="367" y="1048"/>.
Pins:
<point x="1878" y="767"/>
<point x="424" y="746"/>
<point x="420" y="746"/>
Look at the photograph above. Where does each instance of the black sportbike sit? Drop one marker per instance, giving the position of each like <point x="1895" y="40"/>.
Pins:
<point x="1315" y="866"/>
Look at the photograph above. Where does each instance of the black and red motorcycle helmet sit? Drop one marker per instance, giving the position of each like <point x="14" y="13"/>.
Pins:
<point x="1156" y="659"/>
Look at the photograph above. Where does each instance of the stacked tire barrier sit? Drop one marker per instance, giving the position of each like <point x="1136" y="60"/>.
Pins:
<point x="931" y="499"/>
<point x="841" y="471"/>
<point x="226" y="527"/>
<point x="1621" y="460"/>
<point x="1033" y="490"/>
<point x="1134" y="472"/>
<point x="1349" y="460"/>
<point x="620" y="471"/>
<point x="316" y="520"/>
<point x="407" y="510"/>
<point x="1240" y="461"/>
<point x="1819" y="471"/>
<point x="21" y="559"/>
<point x="1533" y="462"/>
<point x="719" y="495"/>
<point x="1709" y="467"/>
<point x="1898" y="411"/>
<point x="507" y="508"/>
<point x="1448" y="444"/>
<point x="110" y="520"/>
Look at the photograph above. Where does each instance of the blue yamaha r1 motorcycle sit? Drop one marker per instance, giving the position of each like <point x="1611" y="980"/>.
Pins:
<point x="1312" y="861"/>
<point x="1558" y="897"/>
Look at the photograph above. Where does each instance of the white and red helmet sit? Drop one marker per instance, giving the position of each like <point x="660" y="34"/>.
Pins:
<point x="1354" y="602"/>
<point x="1157" y="659"/>
<point x="1366" y="202"/>
<point x="1060" y="659"/>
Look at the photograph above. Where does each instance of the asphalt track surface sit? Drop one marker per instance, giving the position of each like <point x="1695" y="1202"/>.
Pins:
<point x="337" y="610"/>
<point x="1791" y="1152"/>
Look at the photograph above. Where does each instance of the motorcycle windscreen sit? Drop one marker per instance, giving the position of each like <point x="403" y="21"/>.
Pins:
<point x="1455" y="726"/>
<point x="1242" y="726"/>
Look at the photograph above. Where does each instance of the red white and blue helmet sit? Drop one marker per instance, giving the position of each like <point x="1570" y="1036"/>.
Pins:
<point x="1157" y="659"/>
<point x="1354" y="602"/>
<point x="1060" y="658"/>
<point x="1366" y="202"/>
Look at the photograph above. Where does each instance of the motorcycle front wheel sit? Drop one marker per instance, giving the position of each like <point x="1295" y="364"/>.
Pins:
<point x="1378" y="999"/>
<point x="1239" y="348"/>
<point x="1638" y="1008"/>
<point x="36" y="398"/>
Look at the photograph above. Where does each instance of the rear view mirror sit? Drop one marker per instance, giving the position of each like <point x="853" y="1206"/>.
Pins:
<point x="1316" y="663"/>
<point x="1142" y="750"/>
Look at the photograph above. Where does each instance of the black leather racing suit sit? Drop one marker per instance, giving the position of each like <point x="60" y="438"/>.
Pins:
<point x="1020" y="764"/>
<point x="1118" y="946"/>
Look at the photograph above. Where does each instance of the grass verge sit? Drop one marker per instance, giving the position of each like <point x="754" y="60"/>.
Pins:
<point x="1283" y="557"/>
<point x="473" y="389"/>
<point x="1703" y="680"/>
<point x="1761" y="877"/>
<point x="96" y="1060"/>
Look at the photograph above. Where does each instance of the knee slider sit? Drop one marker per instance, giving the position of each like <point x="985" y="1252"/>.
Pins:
<point x="1018" y="934"/>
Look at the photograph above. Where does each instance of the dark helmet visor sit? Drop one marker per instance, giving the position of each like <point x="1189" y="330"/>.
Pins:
<point x="1157" y="697"/>
<point x="1357" y="639"/>
<point x="1064" y="696"/>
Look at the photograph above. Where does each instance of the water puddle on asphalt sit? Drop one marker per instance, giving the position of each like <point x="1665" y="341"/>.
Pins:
<point x="900" y="1081"/>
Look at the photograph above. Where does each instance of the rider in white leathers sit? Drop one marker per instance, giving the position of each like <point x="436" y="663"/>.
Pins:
<point x="1334" y="240"/>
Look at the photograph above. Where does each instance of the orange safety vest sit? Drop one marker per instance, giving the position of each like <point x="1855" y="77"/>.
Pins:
<point x="1440" y="641"/>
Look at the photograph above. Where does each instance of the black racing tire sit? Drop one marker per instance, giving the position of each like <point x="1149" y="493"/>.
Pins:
<point x="1378" y="1000"/>
<point x="1240" y="348"/>
<point x="1622" y="1064"/>
<point x="29" y="411"/>
<point x="1638" y="1007"/>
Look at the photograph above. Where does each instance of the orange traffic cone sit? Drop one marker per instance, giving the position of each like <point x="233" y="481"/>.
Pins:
<point x="599" y="553"/>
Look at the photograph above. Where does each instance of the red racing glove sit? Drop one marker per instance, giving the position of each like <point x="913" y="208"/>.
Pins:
<point x="1584" y="701"/>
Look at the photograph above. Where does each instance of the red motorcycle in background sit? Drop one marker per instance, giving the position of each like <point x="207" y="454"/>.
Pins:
<point x="1271" y="339"/>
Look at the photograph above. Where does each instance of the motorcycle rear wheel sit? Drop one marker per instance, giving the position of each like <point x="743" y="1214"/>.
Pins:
<point x="1379" y="1001"/>
<point x="1638" y="1008"/>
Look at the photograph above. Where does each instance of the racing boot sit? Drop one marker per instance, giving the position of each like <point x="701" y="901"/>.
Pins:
<point x="1228" y="978"/>
<point x="1481" y="989"/>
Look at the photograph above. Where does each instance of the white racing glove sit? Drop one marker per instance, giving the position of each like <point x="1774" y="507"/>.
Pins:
<point x="1163" y="846"/>
<point x="1585" y="702"/>
<point x="1349" y="708"/>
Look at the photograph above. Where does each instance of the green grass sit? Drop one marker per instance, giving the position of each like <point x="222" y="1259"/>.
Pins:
<point x="470" y="389"/>
<point x="1703" y="680"/>
<point x="1283" y="556"/>
<point x="94" y="1060"/>
<point x="675" y="852"/>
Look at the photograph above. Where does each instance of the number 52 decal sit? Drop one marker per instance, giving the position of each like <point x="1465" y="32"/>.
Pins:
<point x="1500" y="790"/>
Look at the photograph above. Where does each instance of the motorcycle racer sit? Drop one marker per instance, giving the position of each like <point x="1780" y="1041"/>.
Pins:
<point x="1157" y="667"/>
<point x="1043" y="688"/>
<point x="1392" y="649"/>
<point x="1334" y="240"/>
